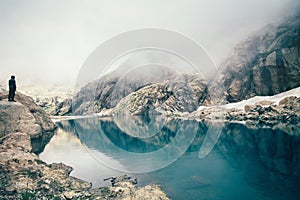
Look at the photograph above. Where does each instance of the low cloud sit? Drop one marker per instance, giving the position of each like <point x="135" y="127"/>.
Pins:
<point x="46" y="42"/>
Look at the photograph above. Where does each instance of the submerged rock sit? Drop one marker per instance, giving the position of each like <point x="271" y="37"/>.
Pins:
<point x="118" y="179"/>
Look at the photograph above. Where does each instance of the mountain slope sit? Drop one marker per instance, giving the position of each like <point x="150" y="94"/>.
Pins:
<point x="107" y="91"/>
<point x="266" y="64"/>
<point x="182" y="93"/>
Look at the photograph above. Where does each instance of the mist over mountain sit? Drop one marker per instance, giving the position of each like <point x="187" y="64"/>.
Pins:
<point x="47" y="42"/>
<point x="108" y="90"/>
<point x="265" y="64"/>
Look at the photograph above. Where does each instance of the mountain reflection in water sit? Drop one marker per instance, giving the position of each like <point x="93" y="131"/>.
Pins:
<point x="257" y="163"/>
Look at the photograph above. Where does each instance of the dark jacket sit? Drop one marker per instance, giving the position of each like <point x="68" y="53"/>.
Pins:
<point x="12" y="84"/>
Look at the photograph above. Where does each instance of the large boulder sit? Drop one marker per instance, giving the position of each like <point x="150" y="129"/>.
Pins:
<point x="23" y="116"/>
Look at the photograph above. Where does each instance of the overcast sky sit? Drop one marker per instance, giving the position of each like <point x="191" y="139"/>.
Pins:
<point x="49" y="40"/>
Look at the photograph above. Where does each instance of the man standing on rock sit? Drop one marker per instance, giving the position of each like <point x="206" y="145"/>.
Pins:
<point x="12" y="88"/>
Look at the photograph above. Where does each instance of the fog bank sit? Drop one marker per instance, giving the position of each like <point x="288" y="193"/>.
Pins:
<point x="46" y="42"/>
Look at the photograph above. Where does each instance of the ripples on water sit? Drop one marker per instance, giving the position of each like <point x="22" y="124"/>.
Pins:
<point x="243" y="164"/>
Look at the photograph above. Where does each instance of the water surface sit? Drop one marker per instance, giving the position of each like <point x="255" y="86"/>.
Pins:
<point x="243" y="163"/>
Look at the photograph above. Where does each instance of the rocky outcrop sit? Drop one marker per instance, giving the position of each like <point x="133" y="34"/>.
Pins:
<point x="106" y="92"/>
<point x="182" y="93"/>
<point x="63" y="108"/>
<point x="23" y="116"/>
<point x="265" y="64"/>
<point x="284" y="116"/>
<point x="128" y="191"/>
<point x="55" y="106"/>
<point x="24" y="176"/>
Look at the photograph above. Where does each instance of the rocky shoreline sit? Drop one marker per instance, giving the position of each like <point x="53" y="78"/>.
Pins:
<point x="285" y="115"/>
<point x="25" y="176"/>
<point x="25" y="130"/>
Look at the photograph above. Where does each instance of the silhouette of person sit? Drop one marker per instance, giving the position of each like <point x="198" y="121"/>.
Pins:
<point x="12" y="88"/>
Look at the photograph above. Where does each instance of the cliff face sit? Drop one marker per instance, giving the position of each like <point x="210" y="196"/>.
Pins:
<point x="265" y="64"/>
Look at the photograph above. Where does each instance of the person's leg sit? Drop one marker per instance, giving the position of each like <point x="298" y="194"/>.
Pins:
<point x="9" y="95"/>
<point x="13" y="95"/>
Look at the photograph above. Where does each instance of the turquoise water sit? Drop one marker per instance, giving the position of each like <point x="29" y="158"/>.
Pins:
<point x="190" y="160"/>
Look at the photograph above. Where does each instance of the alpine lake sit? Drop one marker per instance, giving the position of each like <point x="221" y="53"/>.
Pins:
<point x="189" y="159"/>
